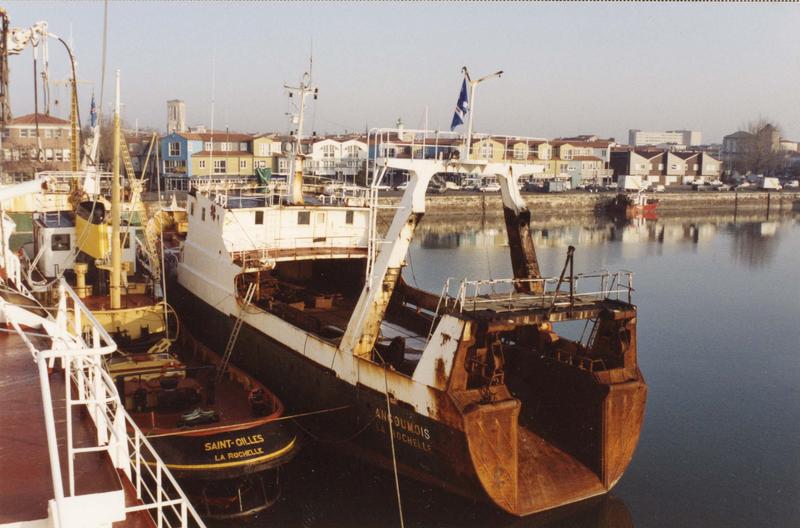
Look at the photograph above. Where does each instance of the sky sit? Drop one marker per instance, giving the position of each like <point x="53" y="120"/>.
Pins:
<point x="569" y="68"/>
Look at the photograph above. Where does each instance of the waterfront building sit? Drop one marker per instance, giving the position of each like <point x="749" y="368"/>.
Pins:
<point x="626" y="161"/>
<point x="32" y="143"/>
<point x="665" y="167"/>
<point x="266" y="151"/>
<point x="338" y="157"/>
<point x="583" y="165"/>
<point x="186" y="155"/>
<point x="756" y="152"/>
<point x="685" y="138"/>
<point x="488" y="148"/>
<point x="710" y="167"/>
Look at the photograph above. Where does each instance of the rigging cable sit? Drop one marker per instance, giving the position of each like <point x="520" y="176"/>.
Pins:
<point x="391" y="438"/>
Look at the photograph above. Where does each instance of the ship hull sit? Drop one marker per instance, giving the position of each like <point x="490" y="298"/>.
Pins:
<point x="228" y="453"/>
<point x="353" y="417"/>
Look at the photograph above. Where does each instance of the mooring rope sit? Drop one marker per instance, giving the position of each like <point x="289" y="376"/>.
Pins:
<point x="391" y="439"/>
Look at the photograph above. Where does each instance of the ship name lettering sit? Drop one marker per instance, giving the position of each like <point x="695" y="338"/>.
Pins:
<point x="218" y="445"/>
<point x="402" y="426"/>
<point x="234" y="455"/>
<point x="249" y="440"/>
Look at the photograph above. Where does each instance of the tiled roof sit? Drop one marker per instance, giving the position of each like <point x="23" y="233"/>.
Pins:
<point x="30" y="119"/>
<point x="686" y="155"/>
<point x="739" y="135"/>
<point x="586" y="158"/>
<point x="649" y="154"/>
<point x="221" y="153"/>
<point x="219" y="136"/>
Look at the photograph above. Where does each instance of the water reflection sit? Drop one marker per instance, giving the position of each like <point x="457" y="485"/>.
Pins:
<point x="754" y="244"/>
<point x="323" y="488"/>
<point x="754" y="239"/>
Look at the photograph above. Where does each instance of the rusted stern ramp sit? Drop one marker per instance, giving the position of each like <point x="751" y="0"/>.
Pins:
<point x="523" y="473"/>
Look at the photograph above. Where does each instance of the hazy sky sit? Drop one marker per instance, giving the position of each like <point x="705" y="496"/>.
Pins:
<point x="569" y="68"/>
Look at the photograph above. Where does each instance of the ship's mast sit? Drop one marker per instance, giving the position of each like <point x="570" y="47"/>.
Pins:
<point x="5" y="108"/>
<point x="295" y="176"/>
<point x="471" y="102"/>
<point x="116" y="265"/>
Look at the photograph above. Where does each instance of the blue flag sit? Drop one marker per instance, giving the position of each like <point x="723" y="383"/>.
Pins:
<point x="462" y="107"/>
<point x="93" y="112"/>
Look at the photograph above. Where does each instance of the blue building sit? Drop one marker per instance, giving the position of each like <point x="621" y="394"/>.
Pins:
<point x="176" y="155"/>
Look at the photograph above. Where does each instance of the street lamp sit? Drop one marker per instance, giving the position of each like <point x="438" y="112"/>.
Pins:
<point x="472" y="85"/>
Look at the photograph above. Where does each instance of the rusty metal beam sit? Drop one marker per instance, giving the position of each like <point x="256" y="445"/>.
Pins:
<point x="524" y="262"/>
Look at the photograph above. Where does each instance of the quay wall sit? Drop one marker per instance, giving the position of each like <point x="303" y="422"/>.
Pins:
<point x="459" y="203"/>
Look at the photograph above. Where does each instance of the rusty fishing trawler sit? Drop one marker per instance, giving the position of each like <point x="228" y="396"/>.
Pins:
<point x="472" y="389"/>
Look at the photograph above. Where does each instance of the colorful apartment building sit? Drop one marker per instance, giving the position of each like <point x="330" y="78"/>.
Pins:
<point x="220" y="154"/>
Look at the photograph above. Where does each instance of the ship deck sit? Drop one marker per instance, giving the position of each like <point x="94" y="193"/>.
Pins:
<point x="130" y="300"/>
<point x="231" y="403"/>
<point x="25" y="481"/>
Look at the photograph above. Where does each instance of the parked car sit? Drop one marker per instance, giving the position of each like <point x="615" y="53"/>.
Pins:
<point x="402" y="187"/>
<point x="533" y="187"/>
<point x="490" y="187"/>
<point x="703" y="187"/>
<point x="470" y="185"/>
<point x="792" y="184"/>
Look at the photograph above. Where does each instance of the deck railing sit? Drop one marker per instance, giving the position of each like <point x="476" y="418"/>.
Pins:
<point x="78" y="342"/>
<point x="550" y="292"/>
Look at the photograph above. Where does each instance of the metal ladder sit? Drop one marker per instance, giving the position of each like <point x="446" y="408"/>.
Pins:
<point x="126" y="156"/>
<point x="237" y="326"/>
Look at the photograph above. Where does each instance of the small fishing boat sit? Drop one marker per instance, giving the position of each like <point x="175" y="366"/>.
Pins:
<point x="633" y="205"/>
<point x="219" y="431"/>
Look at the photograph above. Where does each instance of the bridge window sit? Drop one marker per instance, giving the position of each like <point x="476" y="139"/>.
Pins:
<point x="303" y="217"/>
<point x="348" y="217"/>
<point x="259" y="217"/>
<point x="60" y="242"/>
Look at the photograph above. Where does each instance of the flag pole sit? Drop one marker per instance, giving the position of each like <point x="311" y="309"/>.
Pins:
<point x="471" y="102"/>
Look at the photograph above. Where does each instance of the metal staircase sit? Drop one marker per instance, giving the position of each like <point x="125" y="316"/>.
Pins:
<point x="237" y="326"/>
<point x="126" y="157"/>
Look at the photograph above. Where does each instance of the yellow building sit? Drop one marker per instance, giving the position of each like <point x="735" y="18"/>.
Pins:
<point x="222" y="163"/>
<point x="488" y="149"/>
<point x="266" y="149"/>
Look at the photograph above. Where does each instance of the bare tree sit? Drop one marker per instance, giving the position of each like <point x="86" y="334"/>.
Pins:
<point x="105" y="150"/>
<point x="761" y="151"/>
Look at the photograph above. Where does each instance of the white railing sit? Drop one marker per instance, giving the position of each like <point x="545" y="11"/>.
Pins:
<point x="550" y="292"/>
<point x="343" y="194"/>
<point x="79" y="342"/>
<point x="259" y="257"/>
<point x="436" y="144"/>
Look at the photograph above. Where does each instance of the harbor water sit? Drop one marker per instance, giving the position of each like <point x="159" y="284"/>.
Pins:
<point x="718" y="331"/>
